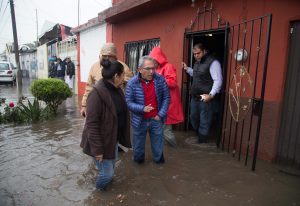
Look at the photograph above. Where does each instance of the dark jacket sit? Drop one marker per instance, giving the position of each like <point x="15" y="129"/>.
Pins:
<point x="100" y="132"/>
<point x="135" y="98"/>
<point x="70" y="69"/>
<point x="52" y="70"/>
<point x="202" y="80"/>
<point x="61" y="72"/>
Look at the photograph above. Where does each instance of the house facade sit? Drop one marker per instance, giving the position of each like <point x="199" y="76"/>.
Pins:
<point x="254" y="119"/>
<point x="28" y="60"/>
<point x="57" y="40"/>
<point x="90" y="37"/>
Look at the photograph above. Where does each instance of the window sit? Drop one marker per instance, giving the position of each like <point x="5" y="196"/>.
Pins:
<point x="137" y="49"/>
<point x="4" y="66"/>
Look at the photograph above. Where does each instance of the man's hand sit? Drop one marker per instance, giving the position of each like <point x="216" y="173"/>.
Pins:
<point x="206" y="97"/>
<point x="184" y="66"/>
<point x="83" y="111"/>
<point x="157" y="118"/>
<point x="99" y="158"/>
<point x="148" y="108"/>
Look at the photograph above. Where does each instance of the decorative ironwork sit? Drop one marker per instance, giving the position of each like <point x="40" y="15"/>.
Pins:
<point x="240" y="91"/>
<point x="205" y="16"/>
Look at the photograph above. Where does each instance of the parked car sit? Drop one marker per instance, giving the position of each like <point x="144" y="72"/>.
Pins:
<point x="7" y="73"/>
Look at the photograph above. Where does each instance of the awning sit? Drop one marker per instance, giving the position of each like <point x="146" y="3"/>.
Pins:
<point x="134" y="8"/>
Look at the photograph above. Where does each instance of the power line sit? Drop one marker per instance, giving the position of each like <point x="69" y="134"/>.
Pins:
<point x="4" y="10"/>
<point x="44" y="12"/>
<point x="1" y="5"/>
<point x="4" y="24"/>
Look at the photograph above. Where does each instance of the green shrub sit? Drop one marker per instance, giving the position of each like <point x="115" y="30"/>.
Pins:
<point x="21" y="113"/>
<point x="52" y="91"/>
<point x="12" y="114"/>
<point x="33" y="111"/>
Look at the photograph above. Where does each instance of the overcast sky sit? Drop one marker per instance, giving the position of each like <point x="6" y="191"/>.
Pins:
<point x="57" y="11"/>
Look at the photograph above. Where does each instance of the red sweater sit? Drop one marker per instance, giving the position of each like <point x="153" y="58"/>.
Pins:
<point x="150" y="98"/>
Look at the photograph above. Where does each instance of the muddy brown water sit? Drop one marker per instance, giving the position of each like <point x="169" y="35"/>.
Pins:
<point x="42" y="164"/>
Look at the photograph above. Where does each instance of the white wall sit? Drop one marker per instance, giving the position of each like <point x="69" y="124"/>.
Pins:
<point x="28" y="64"/>
<point x="42" y="63"/>
<point x="91" y="40"/>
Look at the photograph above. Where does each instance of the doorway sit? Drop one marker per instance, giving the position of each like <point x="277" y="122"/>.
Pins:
<point x="215" y="41"/>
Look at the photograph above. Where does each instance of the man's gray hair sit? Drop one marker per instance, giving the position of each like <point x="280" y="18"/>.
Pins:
<point x="144" y="58"/>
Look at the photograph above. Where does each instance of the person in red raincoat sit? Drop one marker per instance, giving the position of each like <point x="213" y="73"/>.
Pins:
<point x="175" y="113"/>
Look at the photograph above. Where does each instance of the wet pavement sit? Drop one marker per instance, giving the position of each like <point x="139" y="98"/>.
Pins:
<point x="42" y="164"/>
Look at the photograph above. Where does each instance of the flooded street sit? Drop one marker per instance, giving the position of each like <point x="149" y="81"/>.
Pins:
<point x="42" y="164"/>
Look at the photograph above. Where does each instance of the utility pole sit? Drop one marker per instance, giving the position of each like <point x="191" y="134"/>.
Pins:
<point x="16" y="48"/>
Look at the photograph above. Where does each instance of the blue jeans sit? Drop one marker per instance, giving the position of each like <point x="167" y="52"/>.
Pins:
<point x="201" y="116"/>
<point x="155" y="129"/>
<point x="106" y="170"/>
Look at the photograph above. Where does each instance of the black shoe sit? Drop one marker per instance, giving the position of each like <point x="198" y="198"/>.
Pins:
<point x="202" y="139"/>
<point x="139" y="161"/>
<point x="161" y="160"/>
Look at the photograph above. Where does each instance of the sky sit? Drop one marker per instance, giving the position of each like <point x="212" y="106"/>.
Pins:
<point x="56" y="11"/>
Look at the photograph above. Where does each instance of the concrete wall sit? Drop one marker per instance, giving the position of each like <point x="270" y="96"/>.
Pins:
<point x="42" y="62"/>
<point x="28" y="63"/>
<point x="89" y="43"/>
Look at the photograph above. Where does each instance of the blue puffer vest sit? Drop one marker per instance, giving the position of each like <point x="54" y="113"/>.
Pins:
<point x="135" y="98"/>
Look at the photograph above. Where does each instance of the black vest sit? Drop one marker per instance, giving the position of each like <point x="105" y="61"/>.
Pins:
<point x="202" y="80"/>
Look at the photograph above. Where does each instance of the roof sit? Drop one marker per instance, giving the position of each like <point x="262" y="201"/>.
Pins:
<point x="27" y="48"/>
<point x="91" y="23"/>
<point x="129" y="9"/>
<point x="23" y="48"/>
<point x="57" y="33"/>
<point x="126" y="9"/>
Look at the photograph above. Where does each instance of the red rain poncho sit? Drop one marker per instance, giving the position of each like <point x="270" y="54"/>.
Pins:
<point x="175" y="114"/>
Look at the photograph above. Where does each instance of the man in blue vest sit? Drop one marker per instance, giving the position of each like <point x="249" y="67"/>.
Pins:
<point x="207" y="82"/>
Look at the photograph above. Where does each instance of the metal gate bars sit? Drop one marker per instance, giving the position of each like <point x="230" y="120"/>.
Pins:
<point x="245" y="88"/>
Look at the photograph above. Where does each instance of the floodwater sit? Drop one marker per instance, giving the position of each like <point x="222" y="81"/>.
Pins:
<point x="42" y="164"/>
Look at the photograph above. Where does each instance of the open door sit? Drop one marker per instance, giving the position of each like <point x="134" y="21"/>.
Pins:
<point x="243" y="51"/>
<point x="215" y="40"/>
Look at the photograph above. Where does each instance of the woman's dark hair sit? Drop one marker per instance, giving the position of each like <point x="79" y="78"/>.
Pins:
<point x="110" y="68"/>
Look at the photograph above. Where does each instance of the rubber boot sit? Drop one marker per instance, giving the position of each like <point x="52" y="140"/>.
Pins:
<point x="202" y="138"/>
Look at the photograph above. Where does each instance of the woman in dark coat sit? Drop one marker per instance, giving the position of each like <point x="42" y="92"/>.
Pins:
<point x="107" y="121"/>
